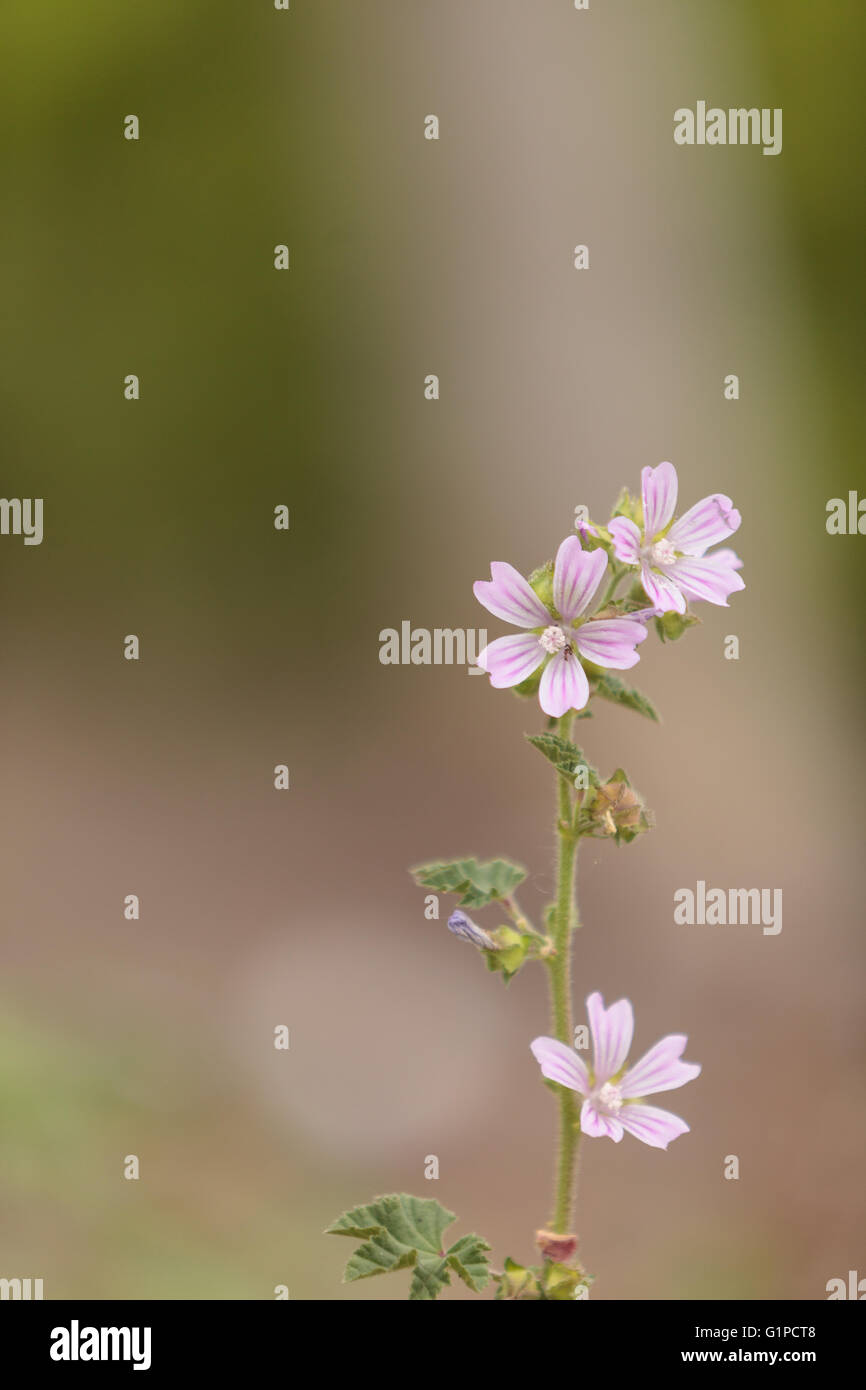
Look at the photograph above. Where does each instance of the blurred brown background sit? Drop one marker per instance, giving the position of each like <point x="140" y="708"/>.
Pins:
<point x="260" y="647"/>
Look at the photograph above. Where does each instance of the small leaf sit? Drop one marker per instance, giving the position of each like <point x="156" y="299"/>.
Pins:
<point x="612" y="688"/>
<point x="479" y="883"/>
<point x="404" y="1232"/>
<point x="565" y="756"/>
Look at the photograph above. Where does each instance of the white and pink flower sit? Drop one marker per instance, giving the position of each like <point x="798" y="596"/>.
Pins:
<point x="612" y="1091"/>
<point x="559" y="639"/>
<point x="672" y="559"/>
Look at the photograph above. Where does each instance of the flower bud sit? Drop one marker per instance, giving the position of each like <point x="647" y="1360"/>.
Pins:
<point x="554" y="1247"/>
<point x="467" y="930"/>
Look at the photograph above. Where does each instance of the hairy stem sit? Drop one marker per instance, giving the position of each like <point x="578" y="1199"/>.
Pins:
<point x="560" y="995"/>
<point x="616" y="576"/>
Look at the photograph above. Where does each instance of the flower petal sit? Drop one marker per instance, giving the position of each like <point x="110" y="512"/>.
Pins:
<point x="511" y="597"/>
<point x="709" y="521"/>
<point x="611" y="641"/>
<point x="626" y="540"/>
<point x="598" y="1125"/>
<point x="727" y="557"/>
<point x="660" y="1069"/>
<point x="612" y="1031"/>
<point x="710" y="578"/>
<point x="652" y="1126"/>
<point x="576" y="576"/>
<point x="659" y="492"/>
<point x="563" y="685"/>
<point x="662" y="591"/>
<point x="509" y="660"/>
<point x="561" y="1063"/>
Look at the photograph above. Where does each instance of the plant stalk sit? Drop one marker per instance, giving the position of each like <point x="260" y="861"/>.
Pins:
<point x="565" y="922"/>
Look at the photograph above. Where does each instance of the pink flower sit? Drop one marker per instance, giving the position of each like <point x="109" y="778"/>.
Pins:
<point x="674" y="565"/>
<point x="612" y="1091"/>
<point x="559" y="638"/>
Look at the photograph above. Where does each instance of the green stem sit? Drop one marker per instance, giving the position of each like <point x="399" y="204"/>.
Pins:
<point x="611" y="589"/>
<point x="560" y="996"/>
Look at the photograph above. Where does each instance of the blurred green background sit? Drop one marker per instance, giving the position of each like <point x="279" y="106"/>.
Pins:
<point x="259" y="647"/>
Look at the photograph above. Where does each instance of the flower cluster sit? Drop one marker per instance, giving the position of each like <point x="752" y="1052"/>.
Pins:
<point x="563" y="633"/>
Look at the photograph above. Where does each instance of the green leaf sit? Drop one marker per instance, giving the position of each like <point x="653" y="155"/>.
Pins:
<point x="468" y="1258"/>
<point x="612" y="688"/>
<point x="404" y="1232"/>
<point x="478" y="883"/>
<point x="671" y="626"/>
<point x="565" y="756"/>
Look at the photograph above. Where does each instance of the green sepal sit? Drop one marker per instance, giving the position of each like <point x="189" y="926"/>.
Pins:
<point x="404" y="1232"/>
<point x="550" y="1283"/>
<point x="478" y="883"/>
<point x="671" y="626"/>
<point x="517" y="1282"/>
<point x="560" y="1283"/>
<point x="541" y="580"/>
<point x="513" y="947"/>
<point x="628" y="505"/>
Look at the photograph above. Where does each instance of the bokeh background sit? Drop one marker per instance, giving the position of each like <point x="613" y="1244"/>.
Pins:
<point x="261" y="647"/>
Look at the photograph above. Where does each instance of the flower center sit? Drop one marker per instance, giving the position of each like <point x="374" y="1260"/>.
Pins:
<point x="663" y="553"/>
<point x="552" y="639"/>
<point x="610" y="1096"/>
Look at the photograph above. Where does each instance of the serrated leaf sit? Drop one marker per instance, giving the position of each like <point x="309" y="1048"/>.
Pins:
<point x="468" y="1258"/>
<point x="612" y="688"/>
<point x="565" y="756"/>
<point x="428" y="1281"/>
<point x="479" y="883"/>
<point x="404" y="1232"/>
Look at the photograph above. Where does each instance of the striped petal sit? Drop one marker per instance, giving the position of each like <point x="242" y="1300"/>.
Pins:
<point x="709" y="521"/>
<point x="576" y="576"/>
<point x="561" y="1063"/>
<point x="611" y="641"/>
<point x="509" y="660"/>
<point x="661" y="590"/>
<point x="612" y="1031"/>
<point x="511" y="597"/>
<point x="564" y="685"/>
<point x="659" y="492"/>
<point x="651" y="1126"/>
<point x="626" y="540"/>
<point x="599" y="1125"/>
<point x="710" y="578"/>
<point x="660" y="1069"/>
